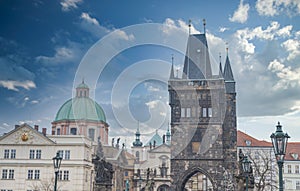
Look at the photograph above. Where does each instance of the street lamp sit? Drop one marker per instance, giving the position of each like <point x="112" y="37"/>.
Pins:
<point x="279" y="141"/>
<point x="246" y="164"/>
<point x="56" y="163"/>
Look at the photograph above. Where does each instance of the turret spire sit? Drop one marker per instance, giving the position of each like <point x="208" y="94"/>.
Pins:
<point x="228" y="76"/>
<point x="172" y="69"/>
<point x="220" y="66"/>
<point x="204" y="25"/>
<point x="137" y="142"/>
<point x="190" y="26"/>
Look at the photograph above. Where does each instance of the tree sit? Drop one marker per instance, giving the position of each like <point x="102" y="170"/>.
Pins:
<point x="44" y="185"/>
<point x="264" y="168"/>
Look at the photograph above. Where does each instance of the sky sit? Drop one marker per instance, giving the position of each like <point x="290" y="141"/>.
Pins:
<point x="49" y="47"/>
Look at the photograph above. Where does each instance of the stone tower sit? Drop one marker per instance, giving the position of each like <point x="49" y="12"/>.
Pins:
<point x="203" y="122"/>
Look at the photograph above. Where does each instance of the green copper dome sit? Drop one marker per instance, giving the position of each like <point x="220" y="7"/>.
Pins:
<point x="81" y="107"/>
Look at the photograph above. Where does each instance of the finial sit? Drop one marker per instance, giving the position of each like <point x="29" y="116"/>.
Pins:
<point x="227" y="48"/>
<point x="220" y="57"/>
<point x="177" y="70"/>
<point x="190" y="26"/>
<point x="172" y="59"/>
<point x="204" y="23"/>
<point x="83" y="80"/>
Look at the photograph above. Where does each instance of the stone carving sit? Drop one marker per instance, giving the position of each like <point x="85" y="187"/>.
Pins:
<point x="103" y="169"/>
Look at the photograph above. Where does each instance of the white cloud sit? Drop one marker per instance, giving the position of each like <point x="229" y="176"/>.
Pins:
<point x="89" y="19"/>
<point x="13" y="85"/>
<point x="72" y="52"/>
<point x="293" y="48"/>
<point x="275" y="7"/>
<point x="170" y="25"/>
<point x="5" y="124"/>
<point x="152" y="104"/>
<point x="67" y="5"/>
<point x="241" y="14"/>
<point x="34" y="102"/>
<point x="122" y="35"/>
<point x="287" y="76"/>
<point x="270" y="33"/>
<point x="223" y="29"/>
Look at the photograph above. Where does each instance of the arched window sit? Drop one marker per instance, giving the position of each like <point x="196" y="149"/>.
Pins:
<point x="73" y="131"/>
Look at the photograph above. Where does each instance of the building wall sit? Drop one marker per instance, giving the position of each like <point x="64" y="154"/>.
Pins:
<point x="291" y="175"/>
<point x="78" y="165"/>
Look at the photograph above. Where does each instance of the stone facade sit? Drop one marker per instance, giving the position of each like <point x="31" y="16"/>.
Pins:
<point x="203" y="124"/>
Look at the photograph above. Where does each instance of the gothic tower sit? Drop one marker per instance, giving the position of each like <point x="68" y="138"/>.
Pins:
<point x="203" y="122"/>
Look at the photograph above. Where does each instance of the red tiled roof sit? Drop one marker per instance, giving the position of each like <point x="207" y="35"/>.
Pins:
<point x="292" y="150"/>
<point x="243" y="137"/>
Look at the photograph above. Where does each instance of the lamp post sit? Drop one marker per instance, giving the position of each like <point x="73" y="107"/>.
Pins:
<point x="247" y="169"/>
<point x="279" y="141"/>
<point x="56" y="163"/>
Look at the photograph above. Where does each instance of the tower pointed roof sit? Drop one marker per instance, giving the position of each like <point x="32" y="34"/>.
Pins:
<point x="172" y="69"/>
<point x="220" y="68"/>
<point x="197" y="63"/>
<point x="228" y="75"/>
<point x="137" y="142"/>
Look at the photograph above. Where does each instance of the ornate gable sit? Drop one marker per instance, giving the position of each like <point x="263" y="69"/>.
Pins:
<point x="25" y="134"/>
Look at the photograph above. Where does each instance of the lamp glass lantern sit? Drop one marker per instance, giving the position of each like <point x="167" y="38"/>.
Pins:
<point x="246" y="165"/>
<point x="279" y="141"/>
<point x="57" y="161"/>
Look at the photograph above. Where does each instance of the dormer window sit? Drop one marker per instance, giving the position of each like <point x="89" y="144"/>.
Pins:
<point x="248" y="142"/>
<point x="294" y="155"/>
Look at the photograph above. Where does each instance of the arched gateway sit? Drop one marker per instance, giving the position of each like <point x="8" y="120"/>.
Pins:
<point x="203" y="121"/>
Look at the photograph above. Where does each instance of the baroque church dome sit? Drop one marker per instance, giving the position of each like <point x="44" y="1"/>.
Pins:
<point x="81" y="107"/>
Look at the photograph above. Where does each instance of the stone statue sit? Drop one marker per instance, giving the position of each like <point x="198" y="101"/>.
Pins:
<point x="127" y="185"/>
<point x="164" y="139"/>
<point x="118" y="142"/>
<point x="150" y="144"/>
<point x="112" y="142"/>
<point x="154" y="143"/>
<point x="103" y="170"/>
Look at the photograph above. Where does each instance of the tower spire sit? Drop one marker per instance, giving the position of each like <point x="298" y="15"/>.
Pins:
<point x="220" y="66"/>
<point x="190" y="26"/>
<point x="137" y="142"/>
<point x="172" y="68"/>
<point x="204" y="26"/>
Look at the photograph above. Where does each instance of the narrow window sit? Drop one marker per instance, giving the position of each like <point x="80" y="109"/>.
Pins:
<point x="61" y="153"/>
<point x="289" y="169"/>
<point x="67" y="154"/>
<point x="37" y="174"/>
<point x="30" y="174"/>
<point x="92" y="134"/>
<point x="182" y="112"/>
<point x="38" y="154"/>
<point x="31" y="154"/>
<point x="13" y="153"/>
<point x="11" y="174"/>
<point x="66" y="175"/>
<point x="209" y="112"/>
<point x="58" y="132"/>
<point x="188" y="112"/>
<point x="204" y="112"/>
<point x="6" y="153"/>
<point x="4" y="173"/>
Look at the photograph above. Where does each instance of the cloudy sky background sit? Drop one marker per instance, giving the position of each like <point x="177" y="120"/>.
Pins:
<point x="43" y="43"/>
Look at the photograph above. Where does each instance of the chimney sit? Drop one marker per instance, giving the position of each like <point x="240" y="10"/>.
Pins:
<point x="36" y="127"/>
<point x="44" y="131"/>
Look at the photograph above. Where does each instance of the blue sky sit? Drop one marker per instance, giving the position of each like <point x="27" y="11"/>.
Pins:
<point x="44" y="42"/>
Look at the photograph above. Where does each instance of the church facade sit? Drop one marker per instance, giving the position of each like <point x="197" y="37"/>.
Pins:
<point x="203" y="121"/>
